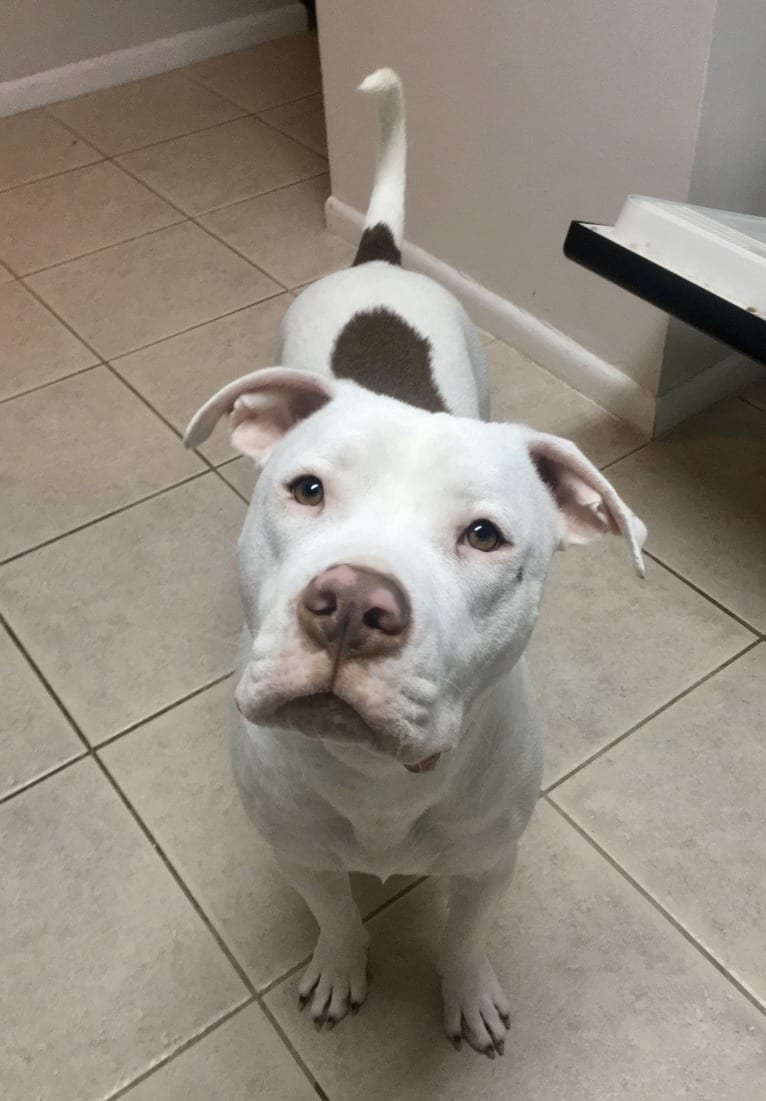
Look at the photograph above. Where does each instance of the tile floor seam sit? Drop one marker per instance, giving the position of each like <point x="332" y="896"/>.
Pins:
<point x="160" y="141"/>
<point x="164" y="710"/>
<point x="658" y="906"/>
<point x="701" y="592"/>
<point x="105" y="516"/>
<point x="261" y="195"/>
<point x="7" y="796"/>
<point x="224" y="206"/>
<point x="187" y="1044"/>
<point x="752" y="404"/>
<point x="284" y="133"/>
<point x="62" y="171"/>
<point x="648" y="718"/>
<point x="177" y="877"/>
<point x="194" y="220"/>
<point x="184" y="69"/>
<point x="228" y="484"/>
<point x="24" y="651"/>
<point x="627" y="455"/>
<point x="113" y="360"/>
<point x="51" y="382"/>
<point x="105" y="248"/>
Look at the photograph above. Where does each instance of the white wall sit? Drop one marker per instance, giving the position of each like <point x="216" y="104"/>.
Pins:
<point x="729" y="170"/>
<point x="522" y="116"/>
<point x="37" y="35"/>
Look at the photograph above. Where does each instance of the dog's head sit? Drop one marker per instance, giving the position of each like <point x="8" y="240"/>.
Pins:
<point x="392" y="561"/>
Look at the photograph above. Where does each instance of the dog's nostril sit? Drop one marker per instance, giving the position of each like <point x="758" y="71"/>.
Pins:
<point x="374" y="617"/>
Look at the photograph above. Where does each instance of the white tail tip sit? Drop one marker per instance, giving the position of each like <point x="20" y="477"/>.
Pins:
<point x="380" y="81"/>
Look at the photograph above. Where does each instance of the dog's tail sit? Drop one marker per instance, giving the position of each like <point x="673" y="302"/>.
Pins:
<point x="384" y="224"/>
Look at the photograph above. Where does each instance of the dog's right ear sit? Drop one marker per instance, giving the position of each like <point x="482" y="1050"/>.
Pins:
<point x="262" y="407"/>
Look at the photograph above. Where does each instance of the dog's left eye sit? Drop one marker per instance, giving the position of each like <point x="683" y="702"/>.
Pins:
<point x="307" y="490"/>
<point x="483" y="535"/>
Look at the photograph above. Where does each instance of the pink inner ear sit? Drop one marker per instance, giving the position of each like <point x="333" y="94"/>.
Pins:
<point x="588" y="503"/>
<point x="583" y="508"/>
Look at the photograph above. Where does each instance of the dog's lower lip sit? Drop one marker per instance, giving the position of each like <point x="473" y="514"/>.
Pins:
<point x="428" y="764"/>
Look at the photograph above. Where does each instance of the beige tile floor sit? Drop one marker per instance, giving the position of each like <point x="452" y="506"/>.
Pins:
<point x="150" y="238"/>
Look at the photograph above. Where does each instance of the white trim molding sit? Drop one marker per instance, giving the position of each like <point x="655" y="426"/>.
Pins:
<point x="149" y="59"/>
<point x="560" y="354"/>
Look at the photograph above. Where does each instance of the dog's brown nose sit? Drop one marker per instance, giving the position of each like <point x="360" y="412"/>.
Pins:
<point x="353" y="610"/>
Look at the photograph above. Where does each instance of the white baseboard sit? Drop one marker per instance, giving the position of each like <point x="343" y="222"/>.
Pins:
<point x="709" y="386"/>
<point x="149" y="59"/>
<point x="563" y="357"/>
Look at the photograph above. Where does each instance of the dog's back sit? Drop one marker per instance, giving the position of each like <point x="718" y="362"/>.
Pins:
<point x="393" y="331"/>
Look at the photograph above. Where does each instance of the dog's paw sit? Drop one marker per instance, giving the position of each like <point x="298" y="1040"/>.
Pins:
<point x="334" y="982"/>
<point x="475" y="1006"/>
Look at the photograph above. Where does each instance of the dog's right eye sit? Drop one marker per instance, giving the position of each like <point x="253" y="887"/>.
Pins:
<point x="307" y="490"/>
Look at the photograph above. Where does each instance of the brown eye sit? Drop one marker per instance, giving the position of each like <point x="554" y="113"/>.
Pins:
<point x="307" y="490"/>
<point x="483" y="535"/>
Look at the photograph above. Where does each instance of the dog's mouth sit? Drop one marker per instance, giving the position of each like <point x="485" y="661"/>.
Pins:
<point x="326" y="715"/>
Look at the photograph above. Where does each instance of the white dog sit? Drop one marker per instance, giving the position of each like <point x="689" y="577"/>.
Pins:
<point x="392" y="564"/>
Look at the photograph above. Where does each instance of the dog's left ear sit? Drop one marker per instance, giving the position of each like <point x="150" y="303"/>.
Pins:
<point x="262" y="406"/>
<point x="588" y="505"/>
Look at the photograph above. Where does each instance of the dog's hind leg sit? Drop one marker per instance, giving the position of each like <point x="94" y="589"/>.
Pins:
<point x="475" y="1005"/>
<point x="336" y="979"/>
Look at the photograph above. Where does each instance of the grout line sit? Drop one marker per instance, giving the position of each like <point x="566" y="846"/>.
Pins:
<point x="228" y="484"/>
<point x="46" y="683"/>
<point x="50" y="382"/>
<point x="701" y="592"/>
<point x="190" y="1042"/>
<point x="752" y="404"/>
<point x="633" y="451"/>
<point x="61" y="171"/>
<point x="105" y="248"/>
<point x="104" y="516"/>
<point x="266" y="122"/>
<point x="24" y="787"/>
<point x="190" y="328"/>
<point x="67" y="325"/>
<point x="158" y="849"/>
<point x="658" y="906"/>
<point x="648" y="718"/>
<point x="161" y="711"/>
<point x="289" y="1045"/>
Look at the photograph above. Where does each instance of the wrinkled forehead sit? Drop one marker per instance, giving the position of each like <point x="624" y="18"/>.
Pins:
<point x="370" y="438"/>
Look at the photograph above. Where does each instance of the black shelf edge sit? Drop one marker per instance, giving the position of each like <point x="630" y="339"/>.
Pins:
<point x="701" y="308"/>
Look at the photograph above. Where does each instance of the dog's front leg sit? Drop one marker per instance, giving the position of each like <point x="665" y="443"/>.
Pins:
<point x="336" y="979"/>
<point x="475" y="1005"/>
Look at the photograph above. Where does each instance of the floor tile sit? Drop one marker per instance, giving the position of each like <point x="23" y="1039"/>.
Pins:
<point x="106" y="966"/>
<point x="680" y="806"/>
<point x="54" y="220"/>
<point x="5" y="275"/>
<point x="35" y="348"/>
<point x="95" y="447"/>
<point x="243" y="1059"/>
<point x="302" y="120"/>
<point x="608" y="999"/>
<point x="284" y="233"/>
<point x="33" y="145"/>
<point x="119" y="119"/>
<point x="241" y="474"/>
<point x="178" y="375"/>
<point x="214" y="168"/>
<point x="610" y="649"/>
<point x="34" y="735"/>
<point x="756" y="393"/>
<point x="175" y="770"/>
<point x="702" y="492"/>
<point x="266" y="75"/>
<point x="149" y="610"/>
<point x="145" y="290"/>
<point x="523" y="391"/>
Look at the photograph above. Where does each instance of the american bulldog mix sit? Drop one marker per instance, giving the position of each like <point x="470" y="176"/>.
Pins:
<point x="392" y="564"/>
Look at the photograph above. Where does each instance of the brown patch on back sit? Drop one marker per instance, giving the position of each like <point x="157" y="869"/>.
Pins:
<point x="377" y="243"/>
<point x="380" y="351"/>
